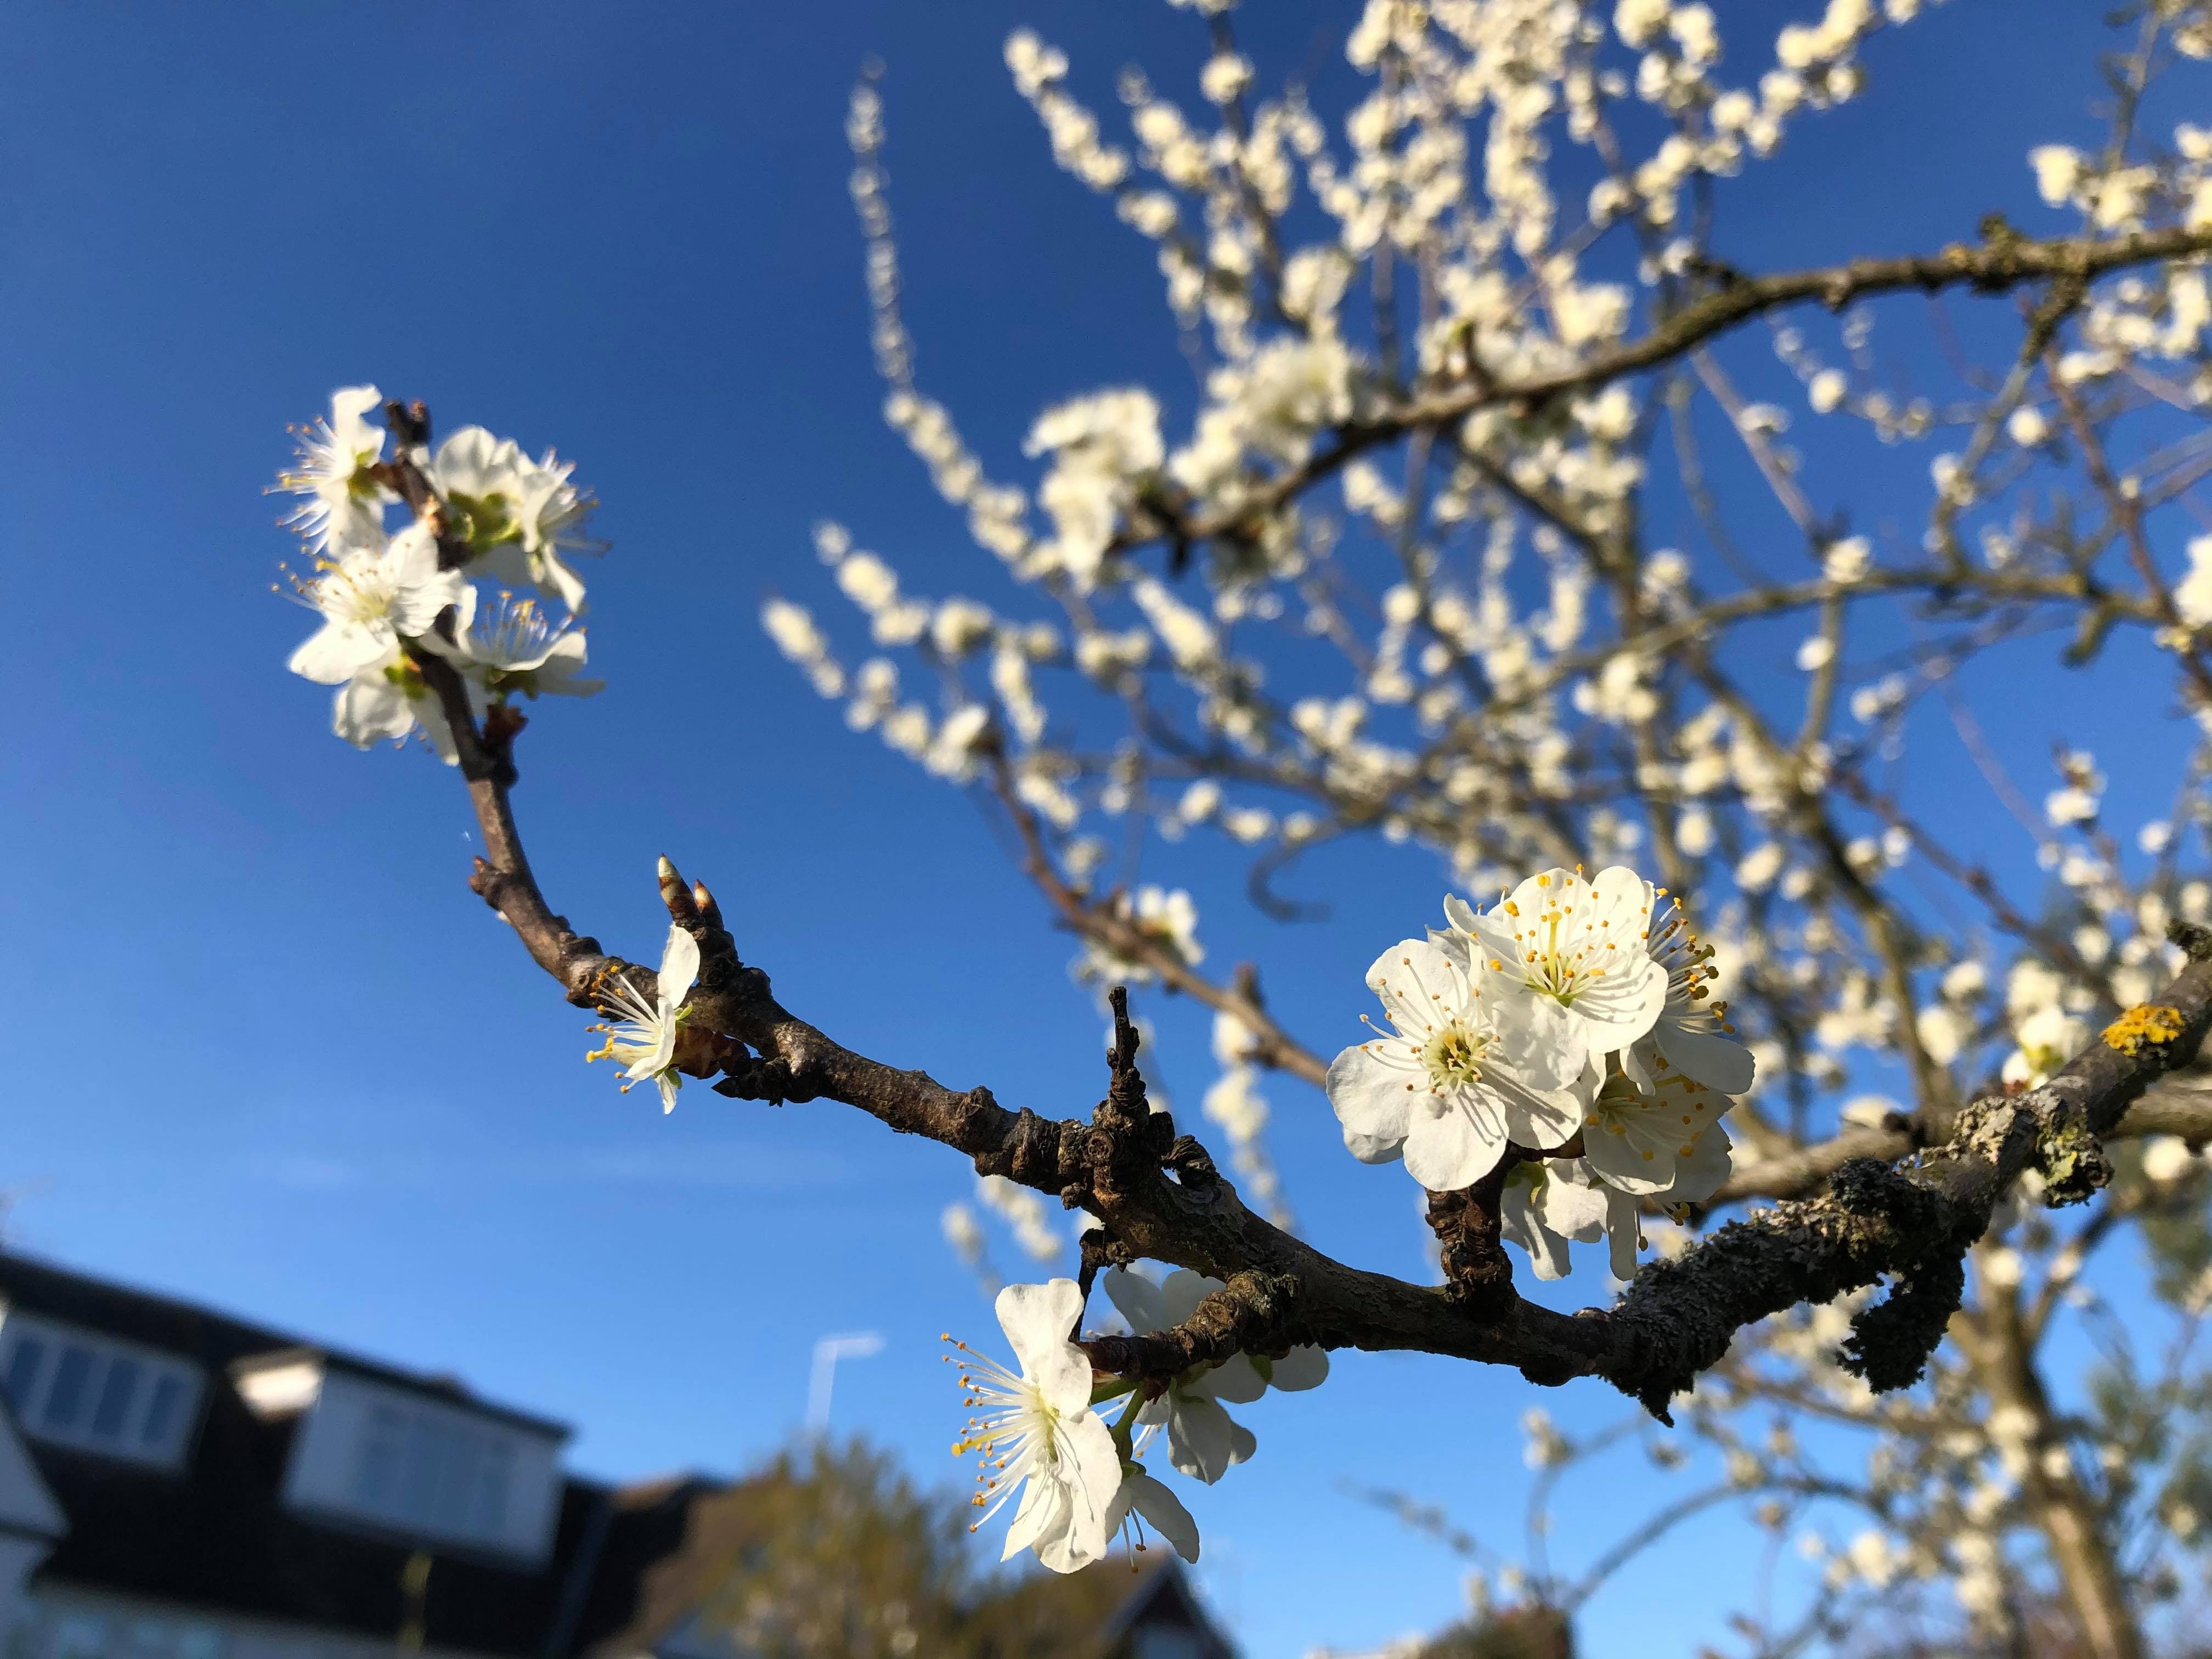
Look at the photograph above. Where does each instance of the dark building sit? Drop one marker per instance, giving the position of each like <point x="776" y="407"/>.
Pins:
<point x="178" y="1483"/>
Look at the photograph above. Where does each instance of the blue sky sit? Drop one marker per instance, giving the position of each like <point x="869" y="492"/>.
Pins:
<point x="276" y="1057"/>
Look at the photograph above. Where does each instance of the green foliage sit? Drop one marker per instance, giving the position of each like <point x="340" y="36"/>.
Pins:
<point x="1530" y="1631"/>
<point x="833" y="1552"/>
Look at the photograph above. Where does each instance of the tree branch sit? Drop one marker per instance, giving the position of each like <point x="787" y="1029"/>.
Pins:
<point x="2004" y="260"/>
<point x="1158" y="1195"/>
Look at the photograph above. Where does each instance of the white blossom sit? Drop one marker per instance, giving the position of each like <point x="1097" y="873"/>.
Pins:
<point x="1572" y="956"/>
<point x="343" y="500"/>
<point x="643" y="1041"/>
<point x="518" y="517"/>
<point x="1203" y="1440"/>
<point x="1037" y="1434"/>
<point x="1451" y="1082"/>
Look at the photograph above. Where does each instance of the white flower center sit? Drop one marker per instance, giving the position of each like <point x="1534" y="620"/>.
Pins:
<point x="1668" y="1121"/>
<point x="517" y="630"/>
<point x="1453" y="1055"/>
<point x="1564" y="952"/>
<point x="364" y="597"/>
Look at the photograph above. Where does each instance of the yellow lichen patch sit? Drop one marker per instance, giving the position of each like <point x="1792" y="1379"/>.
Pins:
<point x="2145" y="1023"/>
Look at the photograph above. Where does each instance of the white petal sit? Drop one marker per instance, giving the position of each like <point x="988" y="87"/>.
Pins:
<point x="350" y="404"/>
<point x="1419" y="988"/>
<point x="1550" y="1048"/>
<point x="1537" y="1118"/>
<point x="1621" y="1005"/>
<point x="1455" y="946"/>
<point x="1711" y="1058"/>
<point x="1041" y="1514"/>
<point x="355" y="525"/>
<point x="1459" y="913"/>
<point x="559" y="579"/>
<point x="1699" y="1175"/>
<point x="1201" y="1439"/>
<point x="1454" y="1148"/>
<point x="1520" y="1221"/>
<point x="1038" y="1320"/>
<point x="1136" y="1298"/>
<point x="371" y="707"/>
<point x="1629" y="1161"/>
<point x="1621" y="891"/>
<point x="1234" y="1380"/>
<point x="1572" y="1202"/>
<point x="1164" y="1509"/>
<point x="1623" y="1229"/>
<point x="1371" y="1100"/>
<point x="1090" y="1465"/>
<point x="1242" y="1442"/>
<point x="1299" y="1370"/>
<point x="1491" y="940"/>
<point x="1180" y="1294"/>
<point x="559" y="662"/>
<point x="670" y="1083"/>
<point x="679" y="966"/>
<point x="431" y="713"/>
<point x="337" y="651"/>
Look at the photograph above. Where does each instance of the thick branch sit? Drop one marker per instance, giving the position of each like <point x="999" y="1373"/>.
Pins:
<point x="1675" y="1320"/>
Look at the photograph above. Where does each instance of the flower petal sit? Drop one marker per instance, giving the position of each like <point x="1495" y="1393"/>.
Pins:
<point x="1089" y="1475"/>
<point x="1624" y="1233"/>
<point x="1136" y="1298"/>
<point x="1042" y="1514"/>
<point x="1160" y="1506"/>
<point x="1371" y="1100"/>
<point x="1711" y="1058"/>
<point x="1519" y="1220"/>
<point x="1572" y="1203"/>
<point x="1038" y="1321"/>
<point x="1699" y="1175"/>
<point x="1180" y="1294"/>
<point x="1627" y="1158"/>
<point x="1420" y="987"/>
<point x="1300" y="1369"/>
<point x="1620" y="1006"/>
<point x="1550" y="1048"/>
<point x="1201" y="1439"/>
<point x="338" y="651"/>
<point x="1536" y="1118"/>
<point x="679" y="968"/>
<point x="1234" y="1380"/>
<point x="370" y="707"/>
<point x="1457" y="1145"/>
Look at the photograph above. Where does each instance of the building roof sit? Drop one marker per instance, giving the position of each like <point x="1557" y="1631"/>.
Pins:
<point x="216" y="1341"/>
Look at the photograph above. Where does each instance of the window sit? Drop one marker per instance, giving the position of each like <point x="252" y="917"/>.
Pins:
<point x="164" y="1410"/>
<point x="65" y="1394"/>
<point x="23" y="1366"/>
<point x="429" y="1470"/>
<point x="95" y="1392"/>
<point x="423" y="1464"/>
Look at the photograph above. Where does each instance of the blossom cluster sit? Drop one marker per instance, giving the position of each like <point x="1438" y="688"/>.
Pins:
<point x="387" y="598"/>
<point x="1570" y="1026"/>
<point x="391" y="601"/>
<point x="1076" y="1480"/>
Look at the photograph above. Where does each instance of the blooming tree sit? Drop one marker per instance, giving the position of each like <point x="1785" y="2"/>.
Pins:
<point x="1391" y="572"/>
